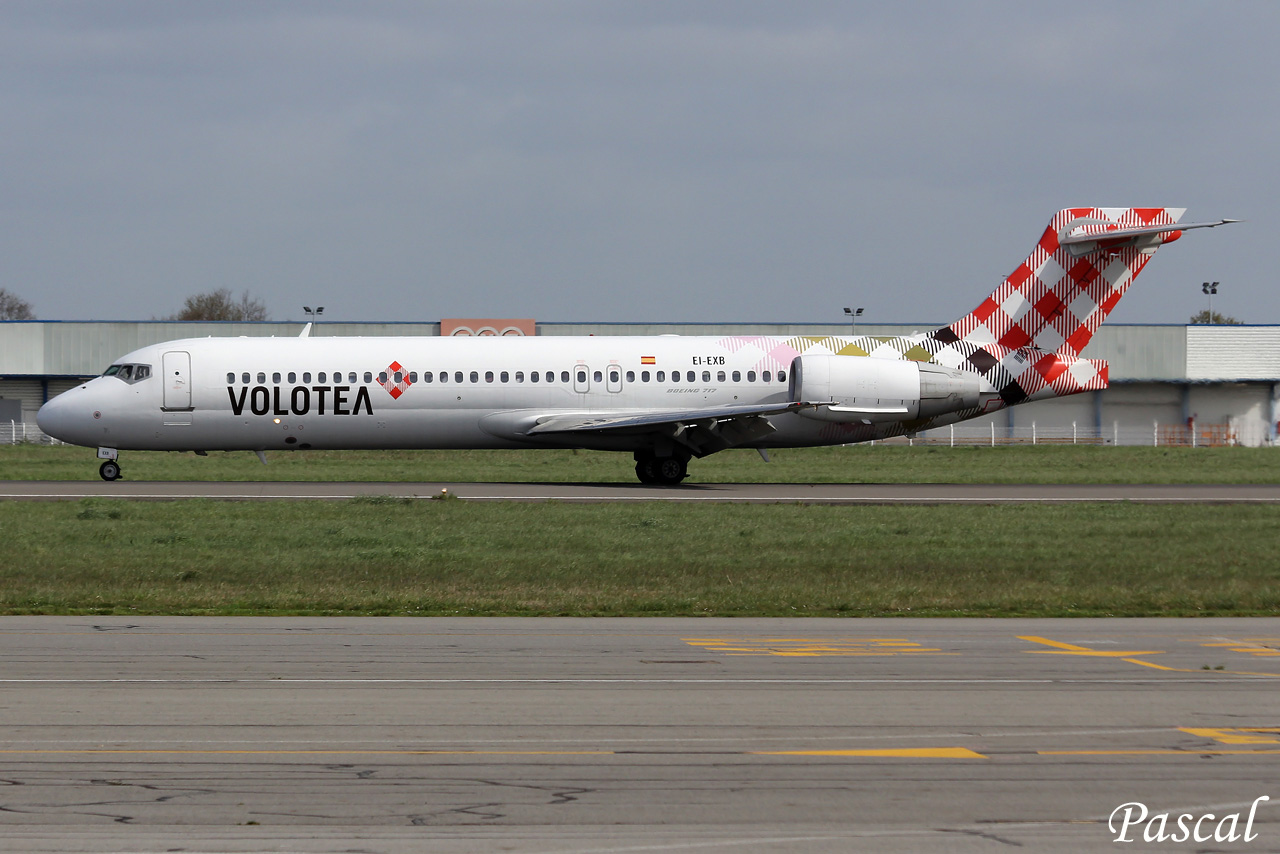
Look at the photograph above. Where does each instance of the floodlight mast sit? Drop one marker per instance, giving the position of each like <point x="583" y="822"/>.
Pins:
<point x="1209" y="289"/>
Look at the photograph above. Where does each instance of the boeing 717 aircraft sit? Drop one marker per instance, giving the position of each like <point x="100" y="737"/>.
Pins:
<point x="663" y="399"/>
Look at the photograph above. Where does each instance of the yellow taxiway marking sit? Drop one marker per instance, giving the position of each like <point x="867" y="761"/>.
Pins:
<point x="1060" y="648"/>
<point x="890" y="753"/>
<point x="1238" y="735"/>
<point x="896" y="753"/>
<point x="810" y="647"/>
<point x="1250" y="646"/>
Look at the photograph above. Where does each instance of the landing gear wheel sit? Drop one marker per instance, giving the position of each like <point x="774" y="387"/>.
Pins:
<point x="110" y="470"/>
<point x="646" y="471"/>
<point x="670" y="470"/>
<point x="661" y="471"/>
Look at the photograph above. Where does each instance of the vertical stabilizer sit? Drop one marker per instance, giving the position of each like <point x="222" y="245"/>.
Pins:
<point x="1081" y="267"/>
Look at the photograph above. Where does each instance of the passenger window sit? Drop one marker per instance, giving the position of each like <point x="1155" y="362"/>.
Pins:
<point x="706" y="376"/>
<point x="662" y="376"/>
<point x="444" y="376"/>
<point x="231" y="378"/>
<point x="262" y="377"/>
<point x="582" y="375"/>
<point x="751" y="376"/>
<point x="675" y="376"/>
<point x="368" y="377"/>
<point x="631" y="376"/>
<point x="534" y="376"/>
<point x="764" y="375"/>
<point x="488" y="376"/>
<point x="782" y="376"/>
<point x="457" y="376"/>
<point x="720" y="376"/>
<point x="519" y="377"/>
<point x="399" y="377"/>
<point x="351" y="377"/>
<point x="426" y="377"/>
<point x="275" y="378"/>
<point x="475" y="376"/>
<point x="693" y="378"/>
<point x="596" y="375"/>
<point x="382" y="377"/>
<point x="505" y="377"/>
<point x="321" y="376"/>
<point x="293" y="377"/>
<point x="244" y="378"/>
<point x="306" y="376"/>
<point x="413" y="376"/>
<point x="644" y="376"/>
<point x="737" y="376"/>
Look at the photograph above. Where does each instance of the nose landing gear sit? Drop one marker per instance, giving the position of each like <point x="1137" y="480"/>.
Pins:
<point x="110" y="469"/>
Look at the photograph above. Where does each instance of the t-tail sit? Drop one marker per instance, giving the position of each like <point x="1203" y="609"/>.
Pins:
<point x="1026" y="338"/>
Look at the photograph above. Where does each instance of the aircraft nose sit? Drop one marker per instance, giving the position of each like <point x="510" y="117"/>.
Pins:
<point x="52" y="418"/>
<point x="62" y="419"/>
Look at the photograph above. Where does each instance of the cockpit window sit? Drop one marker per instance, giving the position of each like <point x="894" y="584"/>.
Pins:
<point x="129" y="373"/>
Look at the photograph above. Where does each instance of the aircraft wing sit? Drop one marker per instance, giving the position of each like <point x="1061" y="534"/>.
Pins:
<point x="703" y="431"/>
<point x="577" y="422"/>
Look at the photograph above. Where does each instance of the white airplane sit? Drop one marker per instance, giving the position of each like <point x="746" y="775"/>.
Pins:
<point x="664" y="399"/>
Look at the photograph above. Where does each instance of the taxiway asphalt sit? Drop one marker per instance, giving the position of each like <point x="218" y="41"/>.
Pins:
<point x="757" y="493"/>
<point x="611" y="735"/>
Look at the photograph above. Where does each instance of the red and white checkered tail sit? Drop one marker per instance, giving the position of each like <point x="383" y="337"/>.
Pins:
<point x="1082" y="266"/>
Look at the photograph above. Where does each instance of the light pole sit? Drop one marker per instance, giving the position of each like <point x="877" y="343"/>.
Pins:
<point x="313" y="314"/>
<point x="1210" y="288"/>
<point x="854" y="314"/>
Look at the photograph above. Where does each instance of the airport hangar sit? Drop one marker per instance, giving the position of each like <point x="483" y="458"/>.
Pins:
<point x="1170" y="384"/>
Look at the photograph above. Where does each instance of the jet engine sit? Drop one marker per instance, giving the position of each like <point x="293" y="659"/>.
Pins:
<point x="873" y="390"/>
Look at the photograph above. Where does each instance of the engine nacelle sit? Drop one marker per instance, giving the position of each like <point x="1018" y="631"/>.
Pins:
<point x="875" y="390"/>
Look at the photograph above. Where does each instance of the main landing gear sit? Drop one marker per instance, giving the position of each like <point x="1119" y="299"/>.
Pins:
<point x="661" y="471"/>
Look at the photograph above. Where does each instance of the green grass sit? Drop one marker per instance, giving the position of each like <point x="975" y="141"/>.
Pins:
<point x="393" y="556"/>
<point x="856" y="464"/>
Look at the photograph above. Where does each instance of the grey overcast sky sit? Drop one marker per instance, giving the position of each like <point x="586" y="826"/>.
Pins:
<point x="642" y="161"/>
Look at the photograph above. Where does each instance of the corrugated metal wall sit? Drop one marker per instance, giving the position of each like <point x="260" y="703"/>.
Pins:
<point x="1233" y="352"/>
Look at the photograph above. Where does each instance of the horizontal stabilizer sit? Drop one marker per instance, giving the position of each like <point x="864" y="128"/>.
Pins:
<point x="1085" y="235"/>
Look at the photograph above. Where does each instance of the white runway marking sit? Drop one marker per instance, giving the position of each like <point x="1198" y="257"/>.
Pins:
<point x="572" y="681"/>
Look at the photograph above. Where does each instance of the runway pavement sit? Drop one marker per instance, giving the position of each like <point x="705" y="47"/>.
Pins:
<point x="842" y="493"/>
<point x="541" y="735"/>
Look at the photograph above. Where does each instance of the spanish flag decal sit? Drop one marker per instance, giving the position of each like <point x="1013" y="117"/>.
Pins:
<point x="648" y="360"/>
